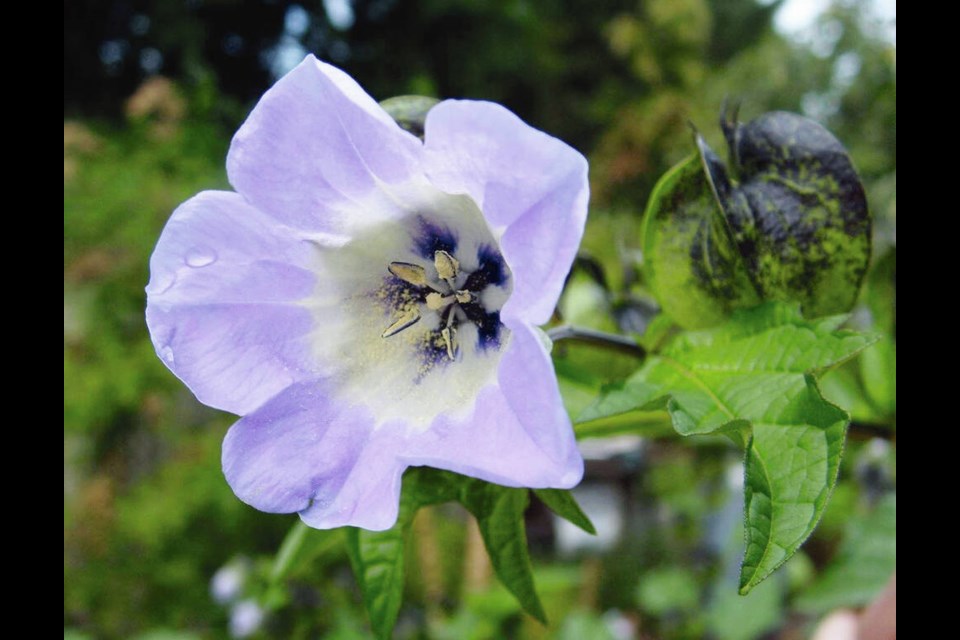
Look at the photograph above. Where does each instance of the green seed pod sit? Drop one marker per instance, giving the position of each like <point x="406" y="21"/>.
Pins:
<point x="792" y="218"/>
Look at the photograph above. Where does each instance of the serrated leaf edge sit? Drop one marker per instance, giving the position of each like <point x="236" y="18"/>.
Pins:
<point x="747" y="585"/>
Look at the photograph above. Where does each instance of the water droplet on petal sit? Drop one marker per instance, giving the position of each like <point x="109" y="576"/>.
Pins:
<point x="165" y="282"/>
<point x="166" y="354"/>
<point x="200" y="257"/>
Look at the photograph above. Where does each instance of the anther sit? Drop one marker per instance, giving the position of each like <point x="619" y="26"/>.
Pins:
<point x="447" y="266"/>
<point x="442" y="298"/>
<point x="408" y="319"/>
<point x="447" y="334"/>
<point x="410" y="273"/>
<point x="435" y="301"/>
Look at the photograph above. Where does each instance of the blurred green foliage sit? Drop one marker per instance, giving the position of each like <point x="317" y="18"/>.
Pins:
<point x="148" y="519"/>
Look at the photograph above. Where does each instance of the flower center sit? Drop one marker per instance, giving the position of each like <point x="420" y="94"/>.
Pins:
<point x="453" y="294"/>
<point x="408" y="310"/>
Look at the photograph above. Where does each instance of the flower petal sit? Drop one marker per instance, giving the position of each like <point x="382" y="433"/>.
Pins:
<point x="518" y="433"/>
<point x="529" y="384"/>
<point x="222" y="301"/>
<point x="530" y="186"/>
<point x="305" y="451"/>
<point x="316" y="150"/>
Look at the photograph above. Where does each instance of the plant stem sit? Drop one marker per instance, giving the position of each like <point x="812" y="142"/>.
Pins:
<point x="602" y="339"/>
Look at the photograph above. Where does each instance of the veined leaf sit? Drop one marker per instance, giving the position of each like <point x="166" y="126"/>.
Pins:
<point x="377" y="561"/>
<point x="499" y="512"/>
<point x="377" y="556"/>
<point x="790" y="471"/>
<point x="754" y="378"/>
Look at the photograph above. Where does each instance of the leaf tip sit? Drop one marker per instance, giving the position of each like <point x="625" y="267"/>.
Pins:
<point x="748" y="580"/>
<point x="537" y="613"/>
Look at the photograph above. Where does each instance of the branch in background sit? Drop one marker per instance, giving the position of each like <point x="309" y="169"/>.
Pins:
<point x="613" y="342"/>
<point x="865" y="431"/>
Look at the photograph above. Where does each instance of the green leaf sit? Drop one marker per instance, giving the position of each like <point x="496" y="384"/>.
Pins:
<point x="377" y="561"/>
<point x="377" y="556"/>
<point x="562" y="503"/>
<point x="864" y="563"/>
<point x="499" y="513"/>
<point x="658" y="332"/>
<point x="842" y="387"/>
<point x="880" y="293"/>
<point x="878" y="368"/>
<point x="690" y="261"/>
<point x="634" y="394"/>
<point x="577" y="386"/>
<point x="754" y="379"/>
<point x="424" y="486"/>
<point x="791" y="468"/>
<point x="647" y="424"/>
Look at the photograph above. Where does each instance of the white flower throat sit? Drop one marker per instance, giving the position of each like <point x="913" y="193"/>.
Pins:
<point x="410" y="310"/>
<point x="443" y="301"/>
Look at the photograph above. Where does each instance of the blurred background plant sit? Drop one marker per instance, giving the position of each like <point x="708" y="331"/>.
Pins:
<point x="155" y="543"/>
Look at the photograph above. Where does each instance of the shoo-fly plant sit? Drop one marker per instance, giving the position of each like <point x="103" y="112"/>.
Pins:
<point x="368" y="299"/>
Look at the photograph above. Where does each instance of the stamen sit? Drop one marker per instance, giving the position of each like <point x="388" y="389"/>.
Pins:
<point x="447" y="266"/>
<point x="411" y="273"/>
<point x="439" y="294"/>
<point x="435" y="301"/>
<point x="409" y="318"/>
<point x="448" y="334"/>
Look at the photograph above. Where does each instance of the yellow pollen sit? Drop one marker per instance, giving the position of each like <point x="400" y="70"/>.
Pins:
<point x="435" y="301"/>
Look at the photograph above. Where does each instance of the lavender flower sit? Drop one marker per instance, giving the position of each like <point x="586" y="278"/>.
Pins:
<point x="246" y="618"/>
<point x="368" y="302"/>
<point x="227" y="583"/>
